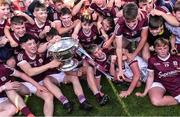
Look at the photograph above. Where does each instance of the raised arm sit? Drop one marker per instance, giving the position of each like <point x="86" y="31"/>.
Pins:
<point x="149" y="82"/>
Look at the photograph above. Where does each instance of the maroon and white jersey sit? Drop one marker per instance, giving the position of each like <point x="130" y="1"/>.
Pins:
<point x="15" y="38"/>
<point x="103" y="11"/>
<point x="5" y="73"/>
<point x="36" y="29"/>
<point x="122" y="29"/>
<point x="165" y="72"/>
<point x="87" y="39"/>
<point x="2" y="26"/>
<point x="33" y="62"/>
<point x="5" y="76"/>
<point x="105" y="61"/>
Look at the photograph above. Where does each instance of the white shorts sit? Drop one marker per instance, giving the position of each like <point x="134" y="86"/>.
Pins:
<point x="157" y="84"/>
<point x="3" y="99"/>
<point x="59" y="77"/>
<point x="177" y="98"/>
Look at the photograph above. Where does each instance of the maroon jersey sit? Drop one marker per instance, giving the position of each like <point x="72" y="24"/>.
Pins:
<point x="122" y="29"/>
<point x="103" y="11"/>
<point x="105" y="61"/>
<point x="2" y="26"/>
<point x="165" y="72"/>
<point x="34" y="62"/>
<point x="87" y="39"/>
<point x="5" y="73"/>
<point x="35" y="29"/>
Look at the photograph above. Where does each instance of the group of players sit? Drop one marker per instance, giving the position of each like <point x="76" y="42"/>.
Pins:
<point x="134" y="41"/>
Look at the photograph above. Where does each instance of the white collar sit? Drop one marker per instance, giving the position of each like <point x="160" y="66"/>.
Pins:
<point x="164" y="59"/>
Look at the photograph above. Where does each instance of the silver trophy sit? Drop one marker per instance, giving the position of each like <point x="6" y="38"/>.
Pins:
<point x="64" y="50"/>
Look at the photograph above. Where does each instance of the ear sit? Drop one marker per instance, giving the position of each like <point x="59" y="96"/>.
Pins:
<point x="12" y="27"/>
<point x="34" y="13"/>
<point x="173" y="13"/>
<point x="23" y="46"/>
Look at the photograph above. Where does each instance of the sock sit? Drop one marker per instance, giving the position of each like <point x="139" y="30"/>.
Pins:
<point x="63" y="100"/>
<point x="25" y="111"/>
<point x="81" y="98"/>
<point x="98" y="97"/>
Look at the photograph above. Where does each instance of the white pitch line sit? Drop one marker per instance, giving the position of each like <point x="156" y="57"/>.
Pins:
<point x="119" y="99"/>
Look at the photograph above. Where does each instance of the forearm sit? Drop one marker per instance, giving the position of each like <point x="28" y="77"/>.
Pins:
<point x="133" y="84"/>
<point x="142" y="41"/>
<point x="29" y="19"/>
<point x="77" y="8"/>
<point x="173" y="41"/>
<point x="37" y="70"/>
<point x="28" y="79"/>
<point x="170" y="19"/>
<point x="112" y="69"/>
<point x="65" y="30"/>
<point x="119" y="57"/>
<point x="8" y="35"/>
<point x="149" y="82"/>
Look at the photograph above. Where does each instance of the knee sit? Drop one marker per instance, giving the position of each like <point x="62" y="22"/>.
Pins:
<point x="48" y="97"/>
<point x="156" y="102"/>
<point x="11" y="110"/>
<point x="47" y="81"/>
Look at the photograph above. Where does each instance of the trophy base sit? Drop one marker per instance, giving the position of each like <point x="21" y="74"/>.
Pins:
<point x="73" y="63"/>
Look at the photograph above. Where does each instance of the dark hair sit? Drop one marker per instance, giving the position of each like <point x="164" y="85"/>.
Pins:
<point x="155" y="21"/>
<point x="177" y="6"/>
<point x="39" y="6"/>
<point x="57" y="1"/>
<point x="92" y="48"/>
<point x="111" y="23"/>
<point x="86" y="19"/>
<point x="52" y="32"/>
<point x="26" y="38"/>
<point x="65" y="11"/>
<point x="17" y="20"/>
<point x="130" y="11"/>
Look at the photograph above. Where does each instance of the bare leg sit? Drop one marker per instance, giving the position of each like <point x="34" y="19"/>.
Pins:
<point x="7" y="109"/>
<point x="48" y="103"/>
<point x="76" y="84"/>
<point x="158" y="98"/>
<point x="50" y="84"/>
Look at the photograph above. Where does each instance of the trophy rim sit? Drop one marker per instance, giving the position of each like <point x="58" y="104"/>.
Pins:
<point x="63" y="49"/>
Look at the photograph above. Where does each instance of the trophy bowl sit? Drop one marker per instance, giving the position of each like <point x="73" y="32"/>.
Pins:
<point x="64" y="50"/>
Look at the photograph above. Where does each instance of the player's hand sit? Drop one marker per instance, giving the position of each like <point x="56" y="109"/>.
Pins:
<point x="156" y="12"/>
<point x="124" y="94"/>
<point x="74" y="36"/>
<point x="54" y="64"/>
<point x="120" y="76"/>
<point x="46" y="29"/>
<point x="4" y="40"/>
<point x="174" y="51"/>
<point x="113" y="58"/>
<point x="13" y="44"/>
<point x="138" y="94"/>
<point x="41" y="88"/>
<point x="12" y="85"/>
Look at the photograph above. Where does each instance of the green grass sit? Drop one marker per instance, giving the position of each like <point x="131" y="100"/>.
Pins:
<point x="130" y="106"/>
